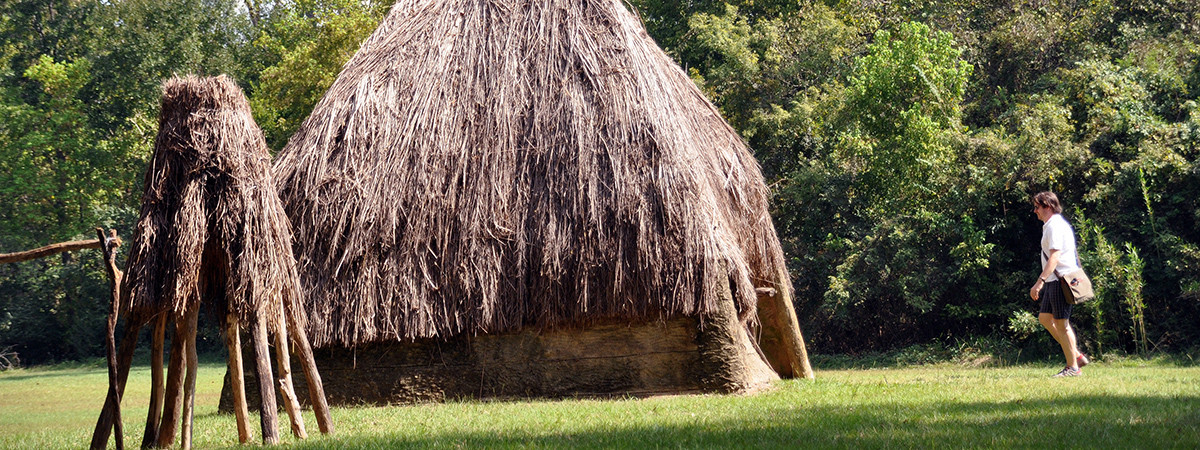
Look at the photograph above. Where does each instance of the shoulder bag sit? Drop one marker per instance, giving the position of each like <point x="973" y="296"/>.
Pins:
<point x="1076" y="286"/>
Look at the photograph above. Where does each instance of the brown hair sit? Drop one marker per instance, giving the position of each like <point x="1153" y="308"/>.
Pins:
<point x="1049" y="200"/>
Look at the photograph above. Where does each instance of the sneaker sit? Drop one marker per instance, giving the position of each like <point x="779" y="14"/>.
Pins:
<point x="1082" y="360"/>
<point x="1069" y="372"/>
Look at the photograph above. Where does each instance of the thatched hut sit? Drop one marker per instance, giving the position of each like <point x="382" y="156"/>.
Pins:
<point x="209" y="210"/>
<point x="529" y="197"/>
<point x="211" y="233"/>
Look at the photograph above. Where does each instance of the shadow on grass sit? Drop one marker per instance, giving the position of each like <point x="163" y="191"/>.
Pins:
<point x="1094" y="421"/>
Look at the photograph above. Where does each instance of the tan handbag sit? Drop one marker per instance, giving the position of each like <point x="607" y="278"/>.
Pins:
<point x="1077" y="287"/>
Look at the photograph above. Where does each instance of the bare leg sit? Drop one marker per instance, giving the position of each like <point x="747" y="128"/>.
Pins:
<point x="1070" y="350"/>
<point x="1063" y="334"/>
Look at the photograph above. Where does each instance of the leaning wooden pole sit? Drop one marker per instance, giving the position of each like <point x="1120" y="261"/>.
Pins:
<point x="104" y="423"/>
<point x="268" y="411"/>
<point x="780" y="339"/>
<point x="109" y="249"/>
<point x="154" y="415"/>
<point x="284" y="380"/>
<point x="233" y="342"/>
<point x="189" y="388"/>
<point x="316" y="391"/>
<point x="174" y="393"/>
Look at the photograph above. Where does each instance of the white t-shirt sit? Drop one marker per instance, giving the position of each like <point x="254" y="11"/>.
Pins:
<point x="1058" y="235"/>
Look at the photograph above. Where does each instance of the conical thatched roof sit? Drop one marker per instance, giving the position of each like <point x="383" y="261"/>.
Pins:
<point x="211" y="223"/>
<point x="483" y="165"/>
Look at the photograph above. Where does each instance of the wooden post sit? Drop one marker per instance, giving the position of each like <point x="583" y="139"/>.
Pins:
<point x="268" y="411"/>
<point x="104" y="423"/>
<point x="53" y="249"/>
<point x="233" y="342"/>
<point x="189" y="396"/>
<point x="316" y="392"/>
<point x="174" y="393"/>
<point x="114" y="280"/>
<point x="154" y="415"/>
<point x="284" y="362"/>
<point x="781" y="341"/>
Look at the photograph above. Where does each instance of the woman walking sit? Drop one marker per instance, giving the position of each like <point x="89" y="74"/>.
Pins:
<point x="1058" y="257"/>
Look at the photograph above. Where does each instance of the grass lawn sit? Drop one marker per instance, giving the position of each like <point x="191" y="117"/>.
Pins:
<point x="1141" y="404"/>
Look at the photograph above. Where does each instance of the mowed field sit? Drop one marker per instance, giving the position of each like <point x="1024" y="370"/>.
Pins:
<point x="1133" y="403"/>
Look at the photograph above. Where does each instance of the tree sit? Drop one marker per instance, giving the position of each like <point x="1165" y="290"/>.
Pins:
<point x="33" y="28"/>
<point x="313" y="40"/>
<point x="143" y="42"/>
<point x="58" y="179"/>
<point x="902" y="99"/>
<point x="53" y="183"/>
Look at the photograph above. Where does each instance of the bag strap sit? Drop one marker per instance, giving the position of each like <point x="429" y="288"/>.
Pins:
<point x="1078" y="262"/>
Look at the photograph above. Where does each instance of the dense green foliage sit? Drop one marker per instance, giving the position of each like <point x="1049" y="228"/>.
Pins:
<point x="1122" y="404"/>
<point x="902" y="141"/>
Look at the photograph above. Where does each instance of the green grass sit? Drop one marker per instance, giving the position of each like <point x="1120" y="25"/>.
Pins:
<point x="1128" y="403"/>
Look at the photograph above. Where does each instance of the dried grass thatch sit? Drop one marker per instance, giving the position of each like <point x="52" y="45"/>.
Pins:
<point x="481" y="165"/>
<point x="211" y="223"/>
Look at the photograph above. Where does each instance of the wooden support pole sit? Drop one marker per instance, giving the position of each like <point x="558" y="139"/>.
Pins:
<point x="104" y="424"/>
<point x="316" y="392"/>
<point x="268" y="410"/>
<point x="781" y="340"/>
<point x="283" y="361"/>
<point x="233" y="342"/>
<point x="154" y="415"/>
<point x="174" y="393"/>
<point x="53" y="249"/>
<point x="109" y="249"/>
<point x="189" y="396"/>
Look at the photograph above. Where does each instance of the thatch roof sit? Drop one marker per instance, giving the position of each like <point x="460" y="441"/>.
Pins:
<point x="480" y="166"/>
<point x="211" y="223"/>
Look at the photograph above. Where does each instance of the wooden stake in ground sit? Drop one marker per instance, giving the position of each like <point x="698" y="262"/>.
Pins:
<point x="154" y="415"/>
<point x="109" y="248"/>
<point x="316" y="391"/>
<point x="174" y="393"/>
<point x="189" y="395"/>
<point x="268" y="412"/>
<point x="233" y="342"/>
<point x="290" y="402"/>
<point x="104" y="424"/>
